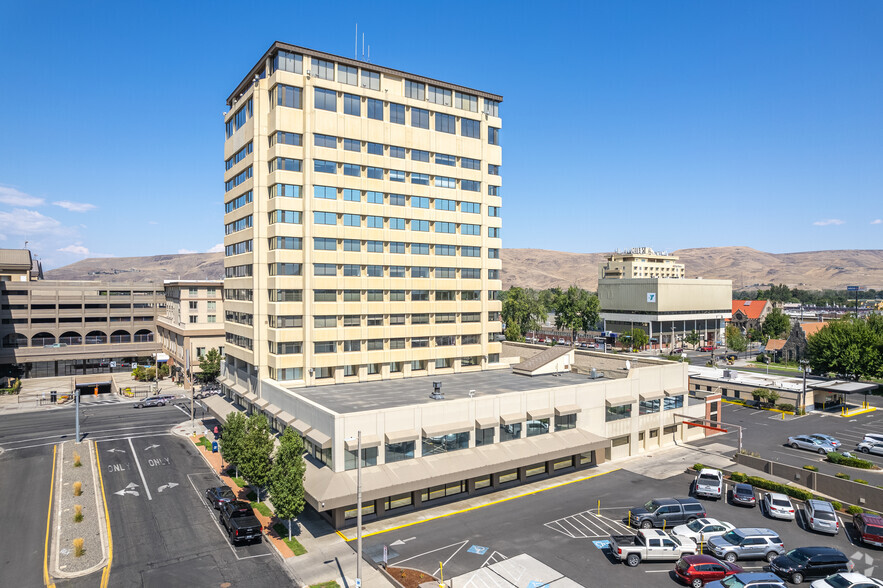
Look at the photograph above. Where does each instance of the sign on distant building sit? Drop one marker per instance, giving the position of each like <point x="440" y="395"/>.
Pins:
<point x="651" y="296"/>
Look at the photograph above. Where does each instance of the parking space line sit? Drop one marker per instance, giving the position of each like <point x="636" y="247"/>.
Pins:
<point x="460" y="543"/>
<point x="140" y="471"/>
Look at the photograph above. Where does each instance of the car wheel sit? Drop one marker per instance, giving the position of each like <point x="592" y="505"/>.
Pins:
<point x="771" y="556"/>
<point x="632" y="560"/>
<point x="730" y="557"/>
<point x="794" y="446"/>
<point x="697" y="583"/>
<point x="865" y="450"/>
<point x="822" y="452"/>
<point x="646" y="524"/>
<point x="796" y="578"/>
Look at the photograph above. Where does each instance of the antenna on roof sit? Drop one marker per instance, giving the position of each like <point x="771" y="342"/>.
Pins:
<point x="356" y="44"/>
<point x="369" y="53"/>
<point x="363" y="46"/>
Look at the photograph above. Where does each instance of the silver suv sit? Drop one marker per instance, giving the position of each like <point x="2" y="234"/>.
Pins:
<point x="822" y="517"/>
<point x="158" y="400"/>
<point x="749" y="543"/>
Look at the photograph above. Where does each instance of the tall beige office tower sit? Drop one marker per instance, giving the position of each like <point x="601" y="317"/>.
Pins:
<point x="362" y="222"/>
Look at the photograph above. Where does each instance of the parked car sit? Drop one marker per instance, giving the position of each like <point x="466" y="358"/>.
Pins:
<point x="870" y="528"/>
<point x="810" y="562"/>
<point x="870" y="447"/>
<point x="873" y="438"/>
<point x="701" y="530"/>
<point x="833" y="441"/>
<point x="746" y="543"/>
<point x="677" y="350"/>
<point x="810" y="444"/>
<point x="157" y="400"/>
<point x="650" y="545"/>
<point x="239" y="521"/>
<point x="696" y="570"/>
<point x="744" y="494"/>
<point x="750" y="580"/>
<point x="668" y="511"/>
<point x="219" y="495"/>
<point x="822" y="517"/>
<point x="707" y="348"/>
<point x="847" y="580"/>
<point x="778" y="506"/>
<point x="709" y="483"/>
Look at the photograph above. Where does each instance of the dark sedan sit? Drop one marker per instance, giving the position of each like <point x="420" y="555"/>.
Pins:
<point x="219" y="495"/>
<point x="810" y="562"/>
<point x="744" y="494"/>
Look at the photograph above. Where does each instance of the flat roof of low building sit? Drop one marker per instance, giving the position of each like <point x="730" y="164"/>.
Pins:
<point x="382" y="394"/>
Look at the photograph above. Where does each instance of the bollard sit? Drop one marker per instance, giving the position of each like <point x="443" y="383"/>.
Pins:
<point x="783" y="415"/>
<point x="663" y="525"/>
<point x="599" y="508"/>
<point x="630" y="518"/>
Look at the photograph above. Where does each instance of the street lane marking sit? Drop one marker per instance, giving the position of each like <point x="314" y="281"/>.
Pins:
<point x="105" y="574"/>
<point x="162" y="432"/>
<point x="46" y="580"/>
<point x="140" y="471"/>
<point x="89" y="432"/>
<point x="477" y="506"/>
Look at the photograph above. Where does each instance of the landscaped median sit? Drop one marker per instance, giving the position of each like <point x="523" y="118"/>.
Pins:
<point x="274" y="529"/>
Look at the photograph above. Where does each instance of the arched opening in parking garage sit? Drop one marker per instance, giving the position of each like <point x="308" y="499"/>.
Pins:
<point x="42" y="340"/>
<point x="71" y="338"/>
<point x="96" y="338"/>
<point x="120" y="337"/>
<point x="15" y="340"/>
<point x="144" y="336"/>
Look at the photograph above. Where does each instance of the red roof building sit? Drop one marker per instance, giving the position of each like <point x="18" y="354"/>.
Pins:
<point x="749" y="314"/>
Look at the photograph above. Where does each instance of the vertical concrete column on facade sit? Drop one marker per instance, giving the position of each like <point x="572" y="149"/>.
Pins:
<point x="417" y="498"/>
<point x="379" y="507"/>
<point x="470" y="486"/>
<point x="522" y="474"/>
<point x="495" y="480"/>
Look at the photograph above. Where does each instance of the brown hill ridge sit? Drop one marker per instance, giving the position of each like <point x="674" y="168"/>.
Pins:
<point x="540" y="268"/>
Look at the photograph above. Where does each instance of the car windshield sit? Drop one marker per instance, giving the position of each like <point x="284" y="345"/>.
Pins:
<point x="838" y="581"/>
<point x="732" y="582"/>
<point x="676" y="539"/>
<point x="651" y="505"/>
<point x="743" y="490"/>
<point x="798" y="555"/>
<point x="780" y="502"/>
<point x="732" y="538"/>
<point x="874" y="530"/>
<point x="825" y="516"/>
<point x="708" y="478"/>
<point x="696" y="525"/>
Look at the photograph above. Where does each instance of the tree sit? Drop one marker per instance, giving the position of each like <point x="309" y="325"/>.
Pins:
<point x="577" y="310"/>
<point x="692" y="338"/>
<point x="256" y="452"/>
<point x="522" y="312"/>
<point x="776" y="324"/>
<point x="287" y="477"/>
<point x="772" y="396"/>
<point x="636" y="338"/>
<point x="210" y="364"/>
<point x="735" y="339"/>
<point x="232" y="442"/>
<point x="760" y="394"/>
<point x="849" y="347"/>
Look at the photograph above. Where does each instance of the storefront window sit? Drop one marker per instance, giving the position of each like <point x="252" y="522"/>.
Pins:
<point x="617" y="413"/>
<point x="648" y="407"/>
<point x="510" y="432"/>
<point x="398" y="501"/>
<point x="369" y="458"/>
<point x="445" y="443"/>
<point x="484" y="436"/>
<point x="399" y="451"/>
<point x="367" y="509"/>
<point x="674" y="402"/>
<point x="565" y="421"/>
<point x="537" y="427"/>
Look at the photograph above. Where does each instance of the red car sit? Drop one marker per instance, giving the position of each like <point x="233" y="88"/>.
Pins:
<point x="707" y="348"/>
<point x="697" y="570"/>
<point x="870" y="528"/>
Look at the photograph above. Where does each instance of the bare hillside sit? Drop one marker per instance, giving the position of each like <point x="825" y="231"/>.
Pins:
<point x="540" y="268"/>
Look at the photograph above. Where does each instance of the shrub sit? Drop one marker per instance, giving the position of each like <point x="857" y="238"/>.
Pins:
<point x="738" y="477"/>
<point x="78" y="547"/>
<point x="842" y="476"/>
<point x="811" y="468"/>
<point x="786" y="407"/>
<point x="853" y="462"/>
<point x="78" y="488"/>
<point x="77" y="461"/>
<point x="78" y="513"/>
<point x="860" y="481"/>
<point x="760" y="393"/>
<point x="698" y="466"/>
<point x="760" y="357"/>
<point x="854" y="510"/>
<point x="837" y="505"/>
<point x="765" y="484"/>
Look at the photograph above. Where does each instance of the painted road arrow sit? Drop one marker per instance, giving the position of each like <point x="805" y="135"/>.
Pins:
<point x="402" y="541"/>
<point x="130" y="489"/>
<point x="115" y="450"/>
<point x="150" y="447"/>
<point x="166" y="486"/>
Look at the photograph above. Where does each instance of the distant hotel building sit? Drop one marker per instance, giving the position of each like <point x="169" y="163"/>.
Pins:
<point x="362" y="222"/>
<point x="641" y="262"/>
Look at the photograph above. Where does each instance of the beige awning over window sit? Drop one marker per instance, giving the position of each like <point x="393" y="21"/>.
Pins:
<point x="567" y="409"/>
<point x="540" y="413"/>
<point x="299" y="426"/>
<point x="486" y="422"/>
<point x="284" y="417"/>
<point x="261" y="402"/>
<point x="402" y="436"/>
<point x="219" y="407"/>
<point x="249" y="397"/>
<point x="352" y="443"/>
<point x="619" y="400"/>
<point x="448" y="429"/>
<point x="511" y="419"/>
<point x="272" y="410"/>
<point x="675" y="391"/>
<point x="319" y="438"/>
<point x="655" y="395"/>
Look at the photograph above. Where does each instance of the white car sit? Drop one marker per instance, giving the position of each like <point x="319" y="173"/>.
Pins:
<point x="868" y="446"/>
<point x="778" y="506"/>
<point x="709" y="483"/>
<point x="847" y="580"/>
<point x="700" y="530"/>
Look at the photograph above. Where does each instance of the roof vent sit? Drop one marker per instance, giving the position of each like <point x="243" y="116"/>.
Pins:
<point x="437" y="393"/>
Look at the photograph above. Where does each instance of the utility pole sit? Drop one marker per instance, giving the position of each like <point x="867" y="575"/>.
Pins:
<point x="77" y="411"/>
<point x="804" y="363"/>
<point x="359" y="509"/>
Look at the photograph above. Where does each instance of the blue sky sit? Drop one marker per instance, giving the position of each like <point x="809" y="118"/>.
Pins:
<point x="668" y="124"/>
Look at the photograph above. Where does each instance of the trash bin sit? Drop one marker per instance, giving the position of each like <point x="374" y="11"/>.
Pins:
<point x="214" y="446"/>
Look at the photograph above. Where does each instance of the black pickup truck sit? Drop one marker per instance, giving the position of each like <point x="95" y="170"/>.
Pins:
<point x="239" y="521"/>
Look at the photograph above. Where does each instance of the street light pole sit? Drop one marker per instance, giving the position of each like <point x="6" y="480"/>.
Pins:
<point x="359" y="509"/>
<point x="803" y="364"/>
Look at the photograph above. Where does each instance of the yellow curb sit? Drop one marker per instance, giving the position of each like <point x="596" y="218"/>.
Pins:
<point x="105" y="574"/>
<point x="858" y="412"/>
<point x="760" y="407"/>
<point x="476" y="507"/>
<point x="46" y="579"/>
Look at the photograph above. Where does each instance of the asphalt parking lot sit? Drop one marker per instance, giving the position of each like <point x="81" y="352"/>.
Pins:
<point x="564" y="529"/>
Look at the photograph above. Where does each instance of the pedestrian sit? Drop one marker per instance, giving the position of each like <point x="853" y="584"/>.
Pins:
<point x="216" y="431"/>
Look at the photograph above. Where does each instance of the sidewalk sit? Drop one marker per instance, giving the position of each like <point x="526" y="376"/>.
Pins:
<point x="328" y="557"/>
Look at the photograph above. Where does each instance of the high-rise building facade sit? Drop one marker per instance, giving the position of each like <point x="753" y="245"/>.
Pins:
<point x="641" y="262"/>
<point x="362" y="222"/>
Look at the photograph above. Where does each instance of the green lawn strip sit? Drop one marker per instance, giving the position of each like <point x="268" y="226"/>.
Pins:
<point x="262" y="508"/>
<point x="205" y="443"/>
<point x="239" y="482"/>
<point x="294" y="545"/>
<point x="331" y="584"/>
